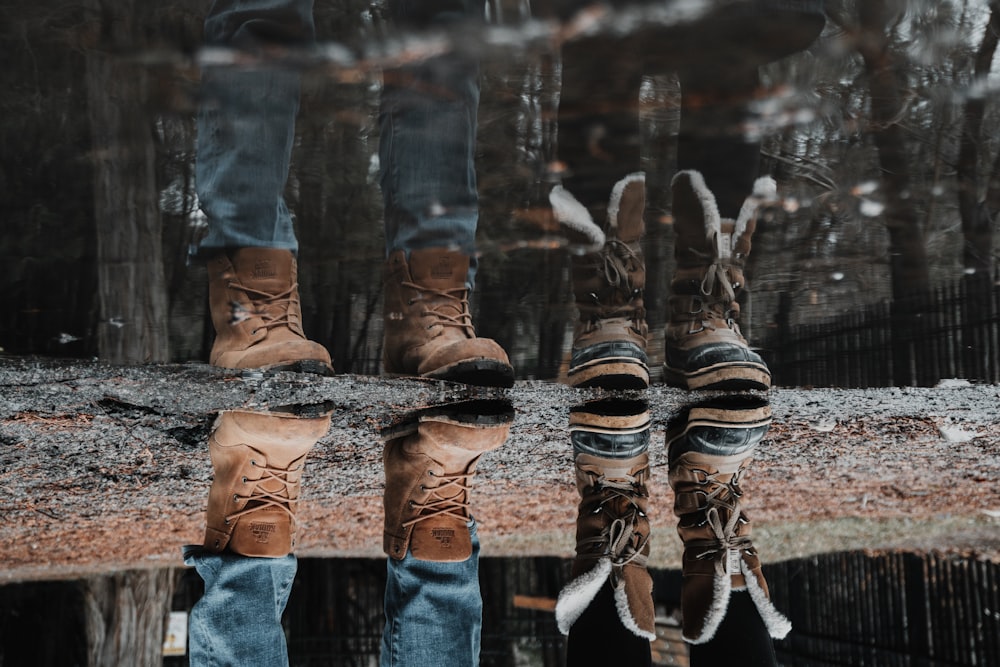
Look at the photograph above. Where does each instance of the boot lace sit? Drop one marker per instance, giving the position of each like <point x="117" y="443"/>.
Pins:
<point x="260" y="498"/>
<point x="265" y="305"/>
<point x="716" y="297"/>
<point x="723" y="516"/>
<point x="454" y="299"/>
<point x="437" y="504"/>
<point x="616" y="264"/>
<point x="619" y="539"/>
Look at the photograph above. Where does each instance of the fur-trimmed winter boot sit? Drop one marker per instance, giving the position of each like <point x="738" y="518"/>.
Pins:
<point x="609" y="341"/>
<point x="258" y="460"/>
<point x="429" y="463"/>
<point x="428" y="326"/>
<point x="610" y="442"/>
<point x="708" y="454"/>
<point x="254" y="299"/>
<point x="704" y="346"/>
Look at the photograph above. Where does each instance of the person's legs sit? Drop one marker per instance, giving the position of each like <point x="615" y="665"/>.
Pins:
<point x="246" y="128"/>
<point x="246" y="558"/>
<point x="246" y="123"/>
<point x="427" y="122"/>
<point x="433" y="611"/>
<point x="433" y="604"/>
<point x="238" y="619"/>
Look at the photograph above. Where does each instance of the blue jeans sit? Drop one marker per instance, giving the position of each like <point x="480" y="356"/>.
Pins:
<point x="433" y="611"/>
<point x="246" y="129"/>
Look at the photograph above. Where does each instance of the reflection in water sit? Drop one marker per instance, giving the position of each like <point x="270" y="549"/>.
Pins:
<point x="275" y="200"/>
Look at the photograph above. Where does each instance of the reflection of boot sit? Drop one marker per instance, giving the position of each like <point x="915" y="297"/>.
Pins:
<point x="610" y="440"/>
<point x="704" y="346"/>
<point x="258" y="460"/>
<point x="429" y="463"/>
<point x="708" y="455"/>
<point x="428" y="327"/>
<point x="254" y="300"/>
<point x="609" y="344"/>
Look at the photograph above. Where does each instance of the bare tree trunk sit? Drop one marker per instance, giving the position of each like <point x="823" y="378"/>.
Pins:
<point x="977" y="213"/>
<point x="125" y="615"/>
<point x="907" y="248"/>
<point x="131" y="285"/>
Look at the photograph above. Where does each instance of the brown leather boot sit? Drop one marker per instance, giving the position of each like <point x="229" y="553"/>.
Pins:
<point x="609" y="342"/>
<point x="428" y="327"/>
<point x="429" y="463"/>
<point x="612" y="530"/>
<point x="254" y="300"/>
<point x="258" y="460"/>
<point x="704" y="346"/>
<point x="708" y="455"/>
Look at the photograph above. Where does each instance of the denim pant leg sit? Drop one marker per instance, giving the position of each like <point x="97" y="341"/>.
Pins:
<point x="427" y="122"/>
<point x="237" y="622"/>
<point x="433" y="612"/>
<point x="246" y="124"/>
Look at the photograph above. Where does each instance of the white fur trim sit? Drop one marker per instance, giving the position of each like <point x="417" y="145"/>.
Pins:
<point x="615" y="202"/>
<point x="778" y="626"/>
<point x="570" y="212"/>
<point x="721" y="590"/>
<point x="713" y="221"/>
<point x="577" y="595"/>
<point x="625" y="614"/>
<point x="764" y="190"/>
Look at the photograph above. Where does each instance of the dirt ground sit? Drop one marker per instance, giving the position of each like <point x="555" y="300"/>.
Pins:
<point x="105" y="468"/>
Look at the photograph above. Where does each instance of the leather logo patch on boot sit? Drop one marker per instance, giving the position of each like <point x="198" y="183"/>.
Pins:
<point x="262" y="531"/>
<point x="443" y="536"/>
<point x="263" y="270"/>
<point x="442" y="268"/>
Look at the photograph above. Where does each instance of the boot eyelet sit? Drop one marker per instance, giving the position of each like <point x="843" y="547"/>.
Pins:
<point x="430" y="472"/>
<point x="253" y="462"/>
<point x="244" y="479"/>
<point x="227" y="520"/>
<point x="236" y="498"/>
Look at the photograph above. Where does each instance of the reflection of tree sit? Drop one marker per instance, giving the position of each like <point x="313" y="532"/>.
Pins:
<point x="131" y="290"/>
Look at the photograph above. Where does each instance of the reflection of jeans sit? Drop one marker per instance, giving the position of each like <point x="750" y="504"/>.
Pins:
<point x="246" y="128"/>
<point x="433" y="611"/>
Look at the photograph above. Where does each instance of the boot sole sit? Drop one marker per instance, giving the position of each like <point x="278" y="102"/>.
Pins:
<point x="476" y="372"/>
<point x="734" y="377"/>
<point x="620" y="373"/>
<point x="308" y="366"/>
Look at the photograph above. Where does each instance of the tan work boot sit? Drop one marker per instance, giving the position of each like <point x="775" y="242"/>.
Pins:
<point x="708" y="455"/>
<point x="254" y="299"/>
<point x="429" y="463"/>
<point x="612" y="531"/>
<point x="609" y="342"/>
<point x="258" y="460"/>
<point x="428" y="327"/>
<point x="704" y="346"/>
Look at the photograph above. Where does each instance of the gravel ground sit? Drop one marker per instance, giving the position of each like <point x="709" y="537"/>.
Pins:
<point x="103" y="468"/>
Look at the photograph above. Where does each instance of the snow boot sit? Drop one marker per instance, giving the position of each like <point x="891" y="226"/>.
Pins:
<point x="254" y="299"/>
<point x="428" y="327"/>
<point x="708" y="454"/>
<point x="609" y="341"/>
<point x="429" y="462"/>
<point x="610" y="442"/>
<point x="704" y="346"/>
<point x="258" y="460"/>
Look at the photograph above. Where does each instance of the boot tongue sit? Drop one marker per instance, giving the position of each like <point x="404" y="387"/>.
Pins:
<point x="266" y="269"/>
<point x="627" y="207"/>
<point x="436" y="268"/>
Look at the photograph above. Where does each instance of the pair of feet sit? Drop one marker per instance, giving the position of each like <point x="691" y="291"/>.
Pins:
<point x="704" y="346"/>
<point x="709" y="448"/>
<point x="254" y="300"/>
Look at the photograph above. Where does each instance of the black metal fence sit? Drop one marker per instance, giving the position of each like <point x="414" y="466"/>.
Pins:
<point x="892" y="609"/>
<point x="951" y="332"/>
